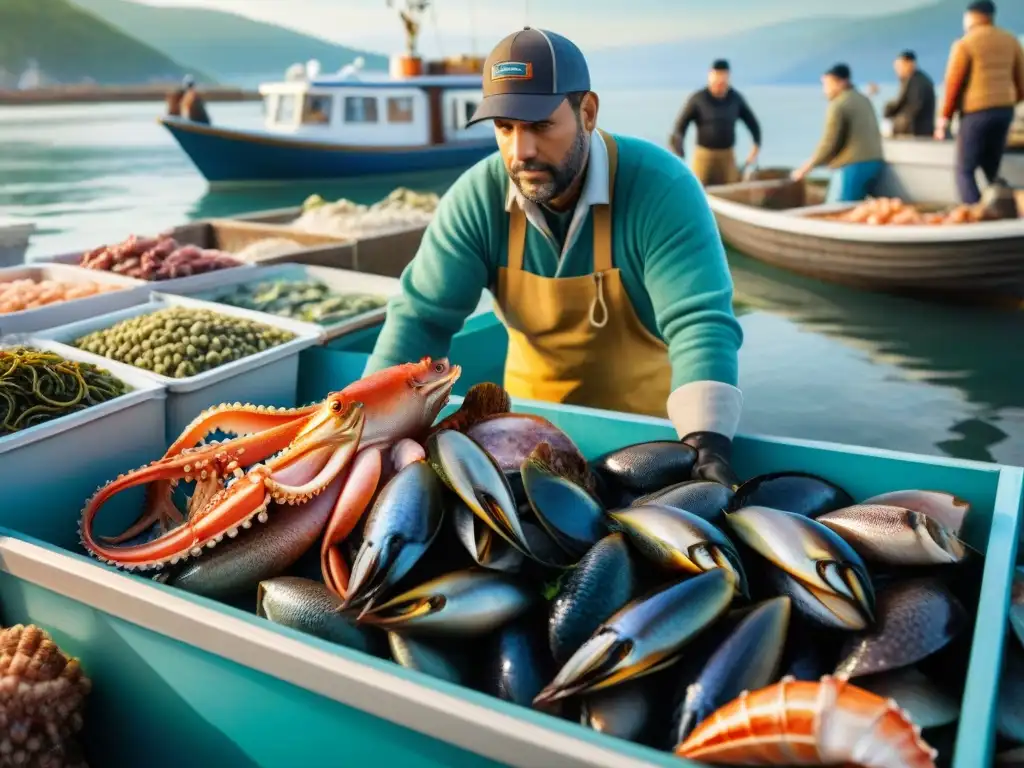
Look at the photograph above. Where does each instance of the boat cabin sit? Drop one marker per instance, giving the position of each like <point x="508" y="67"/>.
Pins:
<point x="381" y="111"/>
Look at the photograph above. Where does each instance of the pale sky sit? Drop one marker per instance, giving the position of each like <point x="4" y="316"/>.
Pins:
<point x="593" y="24"/>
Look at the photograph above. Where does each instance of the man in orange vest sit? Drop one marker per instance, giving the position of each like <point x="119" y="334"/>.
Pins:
<point x="601" y="249"/>
<point x="984" y="81"/>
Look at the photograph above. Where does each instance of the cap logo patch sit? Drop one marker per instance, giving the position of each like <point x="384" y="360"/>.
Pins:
<point x="512" y="70"/>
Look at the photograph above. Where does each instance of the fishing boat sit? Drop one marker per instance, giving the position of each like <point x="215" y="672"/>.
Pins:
<point x="781" y="222"/>
<point x="351" y="123"/>
<point x="14" y="239"/>
<point x="921" y="168"/>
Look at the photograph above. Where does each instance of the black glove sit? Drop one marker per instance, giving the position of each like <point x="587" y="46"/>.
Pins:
<point x="714" y="452"/>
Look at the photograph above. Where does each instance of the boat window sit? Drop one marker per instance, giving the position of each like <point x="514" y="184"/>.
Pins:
<point x="462" y="112"/>
<point x="360" y="109"/>
<point x="317" y="109"/>
<point x="285" y="108"/>
<point x="400" y="109"/>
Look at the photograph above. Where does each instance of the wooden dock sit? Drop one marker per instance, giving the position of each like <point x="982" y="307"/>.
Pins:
<point x="96" y="94"/>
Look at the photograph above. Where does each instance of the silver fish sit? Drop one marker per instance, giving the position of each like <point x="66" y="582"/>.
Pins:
<point x="469" y="471"/>
<point x="403" y="523"/>
<point x="464" y="603"/>
<point x="646" y="635"/>
<point x="680" y="541"/>
<point x="946" y="509"/>
<point x="916" y="618"/>
<point x="895" y="535"/>
<point x="428" y="658"/>
<point x="308" y="606"/>
<point x="827" y="568"/>
<point x="261" y="552"/>
<point x="926" y="703"/>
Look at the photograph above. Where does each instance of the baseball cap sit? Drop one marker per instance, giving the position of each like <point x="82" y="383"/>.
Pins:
<point x="908" y="55"/>
<point x="985" y="7"/>
<point x="528" y="74"/>
<point x="721" y="65"/>
<point x="840" y="71"/>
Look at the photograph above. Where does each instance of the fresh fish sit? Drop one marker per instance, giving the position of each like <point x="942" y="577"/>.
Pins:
<point x="481" y="401"/>
<point x="748" y="660"/>
<point x="645" y="468"/>
<point x="796" y="492"/>
<point x="646" y="635"/>
<point x="521" y="662"/>
<point x="680" y="541"/>
<point x="927" y="704"/>
<point x="464" y="603"/>
<point x="824" y="569"/>
<point x="698" y="497"/>
<point x="624" y="710"/>
<point x="511" y="437"/>
<point x="262" y="552"/>
<point x="601" y="583"/>
<point x="486" y="547"/>
<point x="894" y="535"/>
<point x="428" y="658"/>
<point x="570" y="514"/>
<point x="946" y="509"/>
<point x="401" y="526"/>
<point x="1010" y="701"/>
<point x="916" y="618"/>
<point x="1017" y="603"/>
<point x="308" y="606"/>
<point x="469" y="470"/>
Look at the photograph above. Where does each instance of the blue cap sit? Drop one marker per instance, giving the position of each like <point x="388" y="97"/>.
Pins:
<point x="528" y="74"/>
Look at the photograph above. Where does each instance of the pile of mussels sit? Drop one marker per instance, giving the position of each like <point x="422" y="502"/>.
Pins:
<point x="625" y="595"/>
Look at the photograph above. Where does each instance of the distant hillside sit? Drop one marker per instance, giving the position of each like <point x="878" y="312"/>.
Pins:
<point x="224" y="44"/>
<point x="798" y="52"/>
<point x="70" y="45"/>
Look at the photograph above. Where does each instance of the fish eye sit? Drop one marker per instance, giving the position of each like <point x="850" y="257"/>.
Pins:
<point x="439" y="367"/>
<point x="336" y="406"/>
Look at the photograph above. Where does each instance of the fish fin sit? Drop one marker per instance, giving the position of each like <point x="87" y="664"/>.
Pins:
<point x="482" y="400"/>
<point x="686" y="722"/>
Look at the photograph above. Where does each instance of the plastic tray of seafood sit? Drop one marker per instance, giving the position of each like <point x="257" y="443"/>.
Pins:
<point x="41" y="295"/>
<point x="202" y="353"/>
<point x="63" y="421"/>
<point x="542" y="586"/>
<point x="338" y="300"/>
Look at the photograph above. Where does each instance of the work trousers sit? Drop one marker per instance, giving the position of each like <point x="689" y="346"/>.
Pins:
<point x="980" y="143"/>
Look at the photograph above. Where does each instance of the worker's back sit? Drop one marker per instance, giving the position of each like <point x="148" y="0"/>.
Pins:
<point x="862" y="138"/>
<point x="192" y="107"/>
<point x="993" y="55"/>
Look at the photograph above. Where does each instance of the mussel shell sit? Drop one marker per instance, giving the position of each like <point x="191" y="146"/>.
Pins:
<point x="797" y="492"/>
<point x="698" y="497"/>
<point x="486" y="547"/>
<point x="510" y="437"/>
<point x="914" y="619"/>
<point x="644" y="468"/>
<point x="432" y="658"/>
<point x="521" y="663"/>
<point x="927" y="704"/>
<point x="570" y="514"/>
<point x="603" y="581"/>
<point x="823" y="608"/>
<point x="625" y="710"/>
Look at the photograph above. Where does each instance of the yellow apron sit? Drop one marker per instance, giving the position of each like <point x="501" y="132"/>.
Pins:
<point x="578" y="340"/>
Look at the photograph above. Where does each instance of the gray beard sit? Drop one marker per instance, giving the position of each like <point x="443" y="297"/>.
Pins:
<point x="562" y="177"/>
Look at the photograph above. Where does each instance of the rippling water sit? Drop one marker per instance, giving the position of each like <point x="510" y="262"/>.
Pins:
<point x="818" y="361"/>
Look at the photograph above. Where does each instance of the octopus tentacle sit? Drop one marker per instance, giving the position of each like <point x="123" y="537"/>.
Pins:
<point x="356" y="495"/>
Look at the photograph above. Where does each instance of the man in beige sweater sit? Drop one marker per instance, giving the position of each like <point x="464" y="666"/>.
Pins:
<point x="852" y="141"/>
<point x="984" y="81"/>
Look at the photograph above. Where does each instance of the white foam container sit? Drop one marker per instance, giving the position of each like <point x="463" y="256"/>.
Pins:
<point x="269" y="377"/>
<point x="341" y="281"/>
<point x="132" y="292"/>
<point x="198" y="282"/>
<point x="43" y="466"/>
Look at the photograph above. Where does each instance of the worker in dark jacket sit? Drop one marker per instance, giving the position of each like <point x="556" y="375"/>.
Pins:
<point x="715" y="110"/>
<point x="913" y="111"/>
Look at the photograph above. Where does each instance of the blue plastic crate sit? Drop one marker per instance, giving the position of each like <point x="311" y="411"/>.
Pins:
<point x="173" y="668"/>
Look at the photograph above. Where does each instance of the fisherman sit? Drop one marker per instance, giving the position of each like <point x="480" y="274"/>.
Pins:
<point x="852" y="142"/>
<point x="174" y="102"/>
<point x="715" y="110"/>
<point x="984" y="81"/>
<point x="601" y="250"/>
<point x="913" y="110"/>
<point x="192" y="106"/>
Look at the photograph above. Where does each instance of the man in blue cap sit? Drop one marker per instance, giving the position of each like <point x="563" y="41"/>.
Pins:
<point x="601" y="250"/>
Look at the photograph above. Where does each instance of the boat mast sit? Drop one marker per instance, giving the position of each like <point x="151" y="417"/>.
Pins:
<point x="412" y="18"/>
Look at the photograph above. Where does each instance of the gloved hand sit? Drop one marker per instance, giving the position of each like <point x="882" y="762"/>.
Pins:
<point x="714" y="452"/>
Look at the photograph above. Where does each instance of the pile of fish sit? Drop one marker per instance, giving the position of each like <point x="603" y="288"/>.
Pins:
<point x="880" y="211"/>
<point x="1010" y="704"/>
<point x="729" y="625"/>
<point x="156" y="258"/>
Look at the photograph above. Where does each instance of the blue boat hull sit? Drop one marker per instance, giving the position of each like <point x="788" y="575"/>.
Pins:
<point x="232" y="155"/>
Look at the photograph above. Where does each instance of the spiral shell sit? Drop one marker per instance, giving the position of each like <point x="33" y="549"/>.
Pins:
<point x="42" y="693"/>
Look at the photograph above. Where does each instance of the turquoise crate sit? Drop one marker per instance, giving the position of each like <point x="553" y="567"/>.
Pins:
<point x="479" y="348"/>
<point x="172" y="668"/>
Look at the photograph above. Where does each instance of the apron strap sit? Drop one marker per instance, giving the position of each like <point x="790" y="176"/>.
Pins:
<point x="516" y="237"/>
<point x="603" y="213"/>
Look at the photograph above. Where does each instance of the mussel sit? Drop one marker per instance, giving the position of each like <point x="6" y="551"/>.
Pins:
<point x="698" y="497"/>
<point x="894" y="535"/>
<point x="643" y="468"/>
<point x="430" y="658"/>
<point x="797" y="492"/>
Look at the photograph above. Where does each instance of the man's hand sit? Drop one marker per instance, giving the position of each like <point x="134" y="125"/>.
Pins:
<point x="941" y="129"/>
<point x="754" y="153"/>
<point x="714" y="452"/>
<point x="676" y="142"/>
<point x="800" y="172"/>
